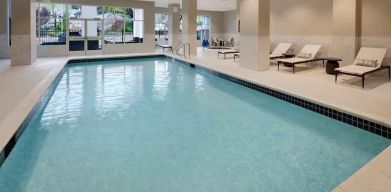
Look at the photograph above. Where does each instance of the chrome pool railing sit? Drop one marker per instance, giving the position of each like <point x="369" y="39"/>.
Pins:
<point x="183" y="47"/>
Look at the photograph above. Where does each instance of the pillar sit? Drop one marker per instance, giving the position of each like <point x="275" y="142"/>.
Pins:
<point x="189" y="24"/>
<point x="173" y="24"/>
<point x="346" y="32"/>
<point x="4" y="40"/>
<point x="255" y="34"/>
<point x="24" y="46"/>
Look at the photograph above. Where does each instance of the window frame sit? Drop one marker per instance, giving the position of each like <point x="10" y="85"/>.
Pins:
<point x="64" y="21"/>
<point x="204" y="26"/>
<point x="124" y="20"/>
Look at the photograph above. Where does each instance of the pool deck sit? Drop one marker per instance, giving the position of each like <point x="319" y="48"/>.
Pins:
<point x="22" y="86"/>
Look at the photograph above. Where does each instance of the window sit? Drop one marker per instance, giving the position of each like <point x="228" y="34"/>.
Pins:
<point x="9" y="22"/>
<point x="203" y="28"/>
<point x="122" y="25"/>
<point x="51" y="24"/>
<point x="161" y="26"/>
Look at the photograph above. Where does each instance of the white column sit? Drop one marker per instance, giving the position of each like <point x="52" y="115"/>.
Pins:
<point x="189" y="24"/>
<point x="4" y="43"/>
<point x="346" y="19"/>
<point x="255" y="34"/>
<point x="24" y="46"/>
<point x="173" y="24"/>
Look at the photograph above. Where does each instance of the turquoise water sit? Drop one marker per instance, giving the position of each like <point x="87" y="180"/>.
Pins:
<point x="156" y="125"/>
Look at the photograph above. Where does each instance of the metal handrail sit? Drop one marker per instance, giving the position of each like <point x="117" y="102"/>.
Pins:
<point x="183" y="46"/>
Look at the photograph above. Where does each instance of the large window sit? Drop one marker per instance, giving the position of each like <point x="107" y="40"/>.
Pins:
<point x="161" y="26"/>
<point x="122" y="25"/>
<point x="118" y="25"/>
<point x="51" y="24"/>
<point x="203" y="28"/>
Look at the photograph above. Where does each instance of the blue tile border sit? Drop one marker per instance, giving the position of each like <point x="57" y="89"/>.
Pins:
<point x="355" y="121"/>
<point x="42" y="102"/>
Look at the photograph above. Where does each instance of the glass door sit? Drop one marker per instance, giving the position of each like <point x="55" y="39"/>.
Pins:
<point x="94" y="36"/>
<point x="76" y="34"/>
<point x="85" y="36"/>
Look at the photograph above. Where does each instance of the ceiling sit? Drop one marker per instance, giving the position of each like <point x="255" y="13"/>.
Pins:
<point x="208" y="5"/>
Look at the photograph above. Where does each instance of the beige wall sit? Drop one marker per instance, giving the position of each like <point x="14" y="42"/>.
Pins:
<point x="376" y="25"/>
<point x="3" y="17"/>
<point x="230" y="25"/>
<point x="4" y="48"/>
<point x="302" y="22"/>
<point x="301" y="17"/>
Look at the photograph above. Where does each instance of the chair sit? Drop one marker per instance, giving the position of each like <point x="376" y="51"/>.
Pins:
<point x="307" y="54"/>
<point x="231" y="42"/>
<point x="368" y="60"/>
<point x="214" y="44"/>
<point x="163" y="44"/>
<point x="226" y="52"/>
<point x="277" y="53"/>
<point x="280" y="50"/>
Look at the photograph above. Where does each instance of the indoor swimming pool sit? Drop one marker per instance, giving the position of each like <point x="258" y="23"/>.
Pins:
<point x="156" y="124"/>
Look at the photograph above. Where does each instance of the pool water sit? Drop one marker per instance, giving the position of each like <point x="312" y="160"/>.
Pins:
<point x="157" y="125"/>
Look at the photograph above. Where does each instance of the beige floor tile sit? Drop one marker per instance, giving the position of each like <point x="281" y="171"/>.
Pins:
<point x="367" y="179"/>
<point x="383" y="162"/>
<point x="338" y="189"/>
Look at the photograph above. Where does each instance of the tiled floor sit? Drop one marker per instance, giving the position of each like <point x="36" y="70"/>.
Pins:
<point x="4" y="64"/>
<point x="22" y="86"/>
<point x="312" y="83"/>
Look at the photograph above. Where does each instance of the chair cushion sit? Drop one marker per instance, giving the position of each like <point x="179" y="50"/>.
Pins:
<point x="366" y="62"/>
<point x="304" y="55"/>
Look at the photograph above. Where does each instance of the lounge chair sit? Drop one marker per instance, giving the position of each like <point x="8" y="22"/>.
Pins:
<point x="236" y="55"/>
<point x="214" y="44"/>
<point x="163" y="44"/>
<point x="227" y="52"/>
<point x="307" y="54"/>
<point x="280" y="50"/>
<point x="368" y="60"/>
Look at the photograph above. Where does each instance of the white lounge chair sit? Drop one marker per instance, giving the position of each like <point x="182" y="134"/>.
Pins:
<point x="307" y="54"/>
<point x="277" y="53"/>
<point x="236" y="55"/>
<point x="280" y="50"/>
<point x="163" y="44"/>
<point x="375" y="58"/>
<point x="227" y="52"/>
